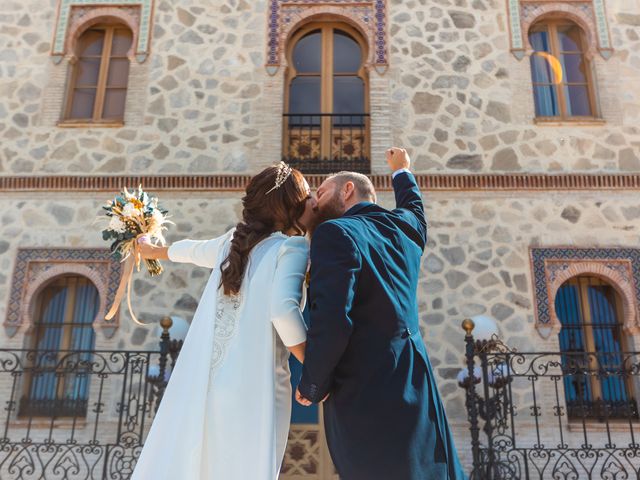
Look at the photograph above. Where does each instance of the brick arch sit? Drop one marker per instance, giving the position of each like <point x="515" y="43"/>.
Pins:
<point x="620" y="283"/>
<point x="102" y="15"/>
<point x="326" y="13"/>
<point x="40" y="281"/>
<point x="569" y="12"/>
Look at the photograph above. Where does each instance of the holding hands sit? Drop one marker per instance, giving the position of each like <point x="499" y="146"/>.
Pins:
<point x="301" y="400"/>
<point x="304" y="402"/>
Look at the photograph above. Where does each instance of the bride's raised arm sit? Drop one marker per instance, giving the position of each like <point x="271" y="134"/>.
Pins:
<point x="203" y="253"/>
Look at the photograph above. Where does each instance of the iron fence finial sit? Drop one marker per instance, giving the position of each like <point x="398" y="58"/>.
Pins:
<point x="166" y="323"/>
<point x="468" y="325"/>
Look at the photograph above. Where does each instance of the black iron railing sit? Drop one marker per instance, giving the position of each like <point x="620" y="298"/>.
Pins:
<point x="526" y="421"/>
<point x="53" y="407"/>
<point x="323" y="142"/>
<point x="90" y="421"/>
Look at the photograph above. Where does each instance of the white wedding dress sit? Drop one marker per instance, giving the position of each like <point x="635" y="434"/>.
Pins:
<point x="226" y="411"/>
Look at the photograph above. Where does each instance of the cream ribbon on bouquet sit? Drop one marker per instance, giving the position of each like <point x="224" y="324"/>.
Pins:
<point x="134" y="218"/>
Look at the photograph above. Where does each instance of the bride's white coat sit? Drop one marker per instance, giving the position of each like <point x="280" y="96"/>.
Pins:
<point x="226" y="411"/>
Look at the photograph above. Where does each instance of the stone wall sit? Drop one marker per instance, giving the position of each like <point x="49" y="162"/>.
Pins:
<point x="465" y="103"/>
<point x="204" y="103"/>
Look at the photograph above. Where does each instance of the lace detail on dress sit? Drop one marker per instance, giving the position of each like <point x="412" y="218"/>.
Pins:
<point x="225" y="326"/>
<point x="227" y="317"/>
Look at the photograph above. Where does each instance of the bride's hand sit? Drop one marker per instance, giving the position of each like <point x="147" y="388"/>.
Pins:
<point x="304" y="402"/>
<point x="152" y="252"/>
<point x="301" y="400"/>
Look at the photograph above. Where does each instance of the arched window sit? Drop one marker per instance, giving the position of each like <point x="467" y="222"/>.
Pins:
<point x="99" y="78"/>
<point x="57" y="378"/>
<point x="560" y="72"/>
<point x="326" y="120"/>
<point x="597" y="380"/>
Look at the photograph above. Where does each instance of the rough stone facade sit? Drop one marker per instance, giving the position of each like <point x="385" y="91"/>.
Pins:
<point x="203" y="103"/>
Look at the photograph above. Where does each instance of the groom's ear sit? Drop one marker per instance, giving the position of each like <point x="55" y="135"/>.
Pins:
<point x="349" y="190"/>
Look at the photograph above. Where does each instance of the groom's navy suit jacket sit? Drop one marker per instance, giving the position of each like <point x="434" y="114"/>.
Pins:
<point x="384" y="418"/>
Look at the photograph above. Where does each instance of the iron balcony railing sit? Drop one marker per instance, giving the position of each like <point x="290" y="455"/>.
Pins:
<point x="320" y="143"/>
<point x="555" y="415"/>
<point x="79" y="415"/>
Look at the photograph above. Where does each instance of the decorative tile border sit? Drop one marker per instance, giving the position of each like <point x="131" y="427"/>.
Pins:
<point x="602" y="27"/>
<point x="37" y="266"/>
<point x="589" y="14"/>
<point x="66" y="17"/>
<point x="551" y="267"/>
<point x="237" y="183"/>
<point x="515" y="30"/>
<point x="285" y="15"/>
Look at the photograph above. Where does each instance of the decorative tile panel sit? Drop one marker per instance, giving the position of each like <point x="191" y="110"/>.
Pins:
<point x="37" y="266"/>
<point x="551" y="267"/>
<point x="68" y="10"/>
<point x="303" y="452"/>
<point x="284" y="16"/>
<point x="307" y="456"/>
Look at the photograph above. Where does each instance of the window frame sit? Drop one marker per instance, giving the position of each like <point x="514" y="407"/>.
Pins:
<point x="101" y="86"/>
<point x="327" y="75"/>
<point x="72" y="283"/>
<point x="552" y="25"/>
<point x="582" y="284"/>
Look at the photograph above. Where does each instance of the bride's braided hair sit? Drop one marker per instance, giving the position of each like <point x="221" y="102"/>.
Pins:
<point x="263" y="214"/>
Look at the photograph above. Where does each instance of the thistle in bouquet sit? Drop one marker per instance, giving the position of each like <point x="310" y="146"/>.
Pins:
<point x="135" y="217"/>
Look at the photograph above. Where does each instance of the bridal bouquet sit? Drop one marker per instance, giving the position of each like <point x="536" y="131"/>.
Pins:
<point x="134" y="217"/>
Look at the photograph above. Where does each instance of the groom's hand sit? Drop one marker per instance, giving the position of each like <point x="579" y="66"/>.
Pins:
<point x="301" y="400"/>
<point x="398" y="158"/>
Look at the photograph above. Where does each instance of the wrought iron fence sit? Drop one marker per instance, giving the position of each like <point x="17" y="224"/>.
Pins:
<point x="322" y="143"/>
<point x="552" y="415"/>
<point x="78" y="414"/>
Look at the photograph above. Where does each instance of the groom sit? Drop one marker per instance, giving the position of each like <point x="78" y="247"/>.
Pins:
<point x="384" y="419"/>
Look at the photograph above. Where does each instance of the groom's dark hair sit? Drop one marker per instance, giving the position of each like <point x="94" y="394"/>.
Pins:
<point x="362" y="183"/>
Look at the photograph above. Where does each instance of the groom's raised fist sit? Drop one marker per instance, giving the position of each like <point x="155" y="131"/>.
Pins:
<point x="398" y="158"/>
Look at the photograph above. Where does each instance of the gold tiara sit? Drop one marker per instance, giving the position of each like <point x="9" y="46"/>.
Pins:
<point x="284" y="171"/>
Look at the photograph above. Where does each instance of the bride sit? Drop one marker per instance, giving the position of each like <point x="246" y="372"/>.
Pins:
<point x="225" y="413"/>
